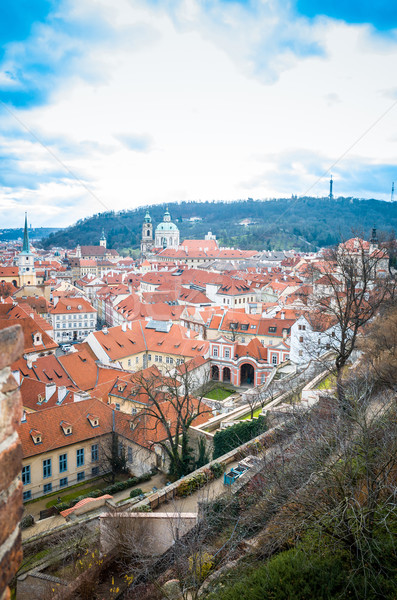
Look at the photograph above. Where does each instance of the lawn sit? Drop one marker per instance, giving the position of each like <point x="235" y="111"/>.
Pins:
<point x="81" y="491"/>
<point x="219" y="393"/>
<point x="257" y="412"/>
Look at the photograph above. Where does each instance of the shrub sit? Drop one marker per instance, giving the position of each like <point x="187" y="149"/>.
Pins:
<point x="27" y="521"/>
<point x="291" y="574"/>
<point x="95" y="494"/>
<point x="217" y="469"/>
<point x="132" y="481"/>
<point x="200" y="565"/>
<point x="145" y="508"/>
<point x="136" y="492"/>
<point x="240" y="433"/>
<point x="62" y="506"/>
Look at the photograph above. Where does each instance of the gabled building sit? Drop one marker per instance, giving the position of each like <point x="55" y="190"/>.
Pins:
<point x="73" y="319"/>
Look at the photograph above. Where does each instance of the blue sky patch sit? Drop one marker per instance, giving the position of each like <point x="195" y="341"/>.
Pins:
<point x="382" y="14"/>
<point x="18" y="17"/>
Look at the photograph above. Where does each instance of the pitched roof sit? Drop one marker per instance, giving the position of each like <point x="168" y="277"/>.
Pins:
<point x="72" y="305"/>
<point x="48" y="423"/>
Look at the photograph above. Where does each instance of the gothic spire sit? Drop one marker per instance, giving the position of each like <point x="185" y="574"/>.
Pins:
<point x="26" y="236"/>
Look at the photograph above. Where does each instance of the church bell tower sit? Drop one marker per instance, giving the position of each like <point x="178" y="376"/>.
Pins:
<point x="147" y="234"/>
<point x="26" y="268"/>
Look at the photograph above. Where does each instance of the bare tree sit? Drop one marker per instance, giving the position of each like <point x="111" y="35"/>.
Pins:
<point x="167" y="417"/>
<point x="380" y="348"/>
<point x="358" y="286"/>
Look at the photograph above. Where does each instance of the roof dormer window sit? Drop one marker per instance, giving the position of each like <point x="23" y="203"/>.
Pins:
<point x="67" y="428"/>
<point x="36" y="436"/>
<point x="93" y="420"/>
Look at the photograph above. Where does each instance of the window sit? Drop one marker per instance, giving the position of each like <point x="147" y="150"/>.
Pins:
<point x="301" y="338"/>
<point x="47" y="470"/>
<point x="129" y="454"/>
<point x="215" y="352"/>
<point x="26" y="495"/>
<point x="47" y="488"/>
<point x="63" y="463"/>
<point x="300" y="353"/>
<point x="63" y="482"/>
<point x="95" y="471"/>
<point x="94" y="452"/>
<point x="80" y="457"/>
<point x="274" y="359"/>
<point x="137" y="359"/>
<point x="129" y="362"/>
<point x="227" y="353"/>
<point x="160" y="359"/>
<point x="149" y="357"/>
<point x="134" y="410"/>
<point x="117" y="406"/>
<point x="80" y="476"/>
<point x="272" y="329"/>
<point x="26" y="475"/>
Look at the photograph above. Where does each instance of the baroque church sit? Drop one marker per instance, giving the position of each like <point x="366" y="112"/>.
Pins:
<point x="166" y="234"/>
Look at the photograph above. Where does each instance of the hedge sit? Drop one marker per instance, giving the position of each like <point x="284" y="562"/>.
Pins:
<point x="240" y="433"/>
<point x="195" y="482"/>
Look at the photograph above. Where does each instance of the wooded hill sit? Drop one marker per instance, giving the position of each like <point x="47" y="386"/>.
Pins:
<point x="299" y="223"/>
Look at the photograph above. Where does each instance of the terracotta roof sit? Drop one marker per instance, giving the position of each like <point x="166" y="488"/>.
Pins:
<point x="69" y="511"/>
<point x="72" y="305"/>
<point x="48" y="422"/>
<point x="30" y="328"/>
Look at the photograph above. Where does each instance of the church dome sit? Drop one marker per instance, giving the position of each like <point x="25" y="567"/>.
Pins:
<point x="166" y="224"/>
<point x="166" y="227"/>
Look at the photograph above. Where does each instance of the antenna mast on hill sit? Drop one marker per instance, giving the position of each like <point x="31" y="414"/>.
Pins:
<point x="331" y="196"/>
<point x="392" y="192"/>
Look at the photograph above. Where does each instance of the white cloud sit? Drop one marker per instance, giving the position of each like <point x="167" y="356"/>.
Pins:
<point x="192" y="104"/>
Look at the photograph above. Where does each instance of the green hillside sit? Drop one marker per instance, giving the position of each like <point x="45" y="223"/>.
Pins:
<point x="304" y="223"/>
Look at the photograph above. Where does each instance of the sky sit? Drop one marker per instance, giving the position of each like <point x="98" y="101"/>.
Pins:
<point x="110" y="105"/>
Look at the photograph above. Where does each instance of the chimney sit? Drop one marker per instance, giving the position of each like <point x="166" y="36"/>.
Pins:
<point x="124" y="326"/>
<point x="129" y="325"/>
<point x="62" y="391"/>
<point x="283" y="315"/>
<point x="23" y="420"/>
<point x="49" y="390"/>
<point x="104" y="330"/>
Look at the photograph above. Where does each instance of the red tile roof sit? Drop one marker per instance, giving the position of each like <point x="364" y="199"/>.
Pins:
<point x="48" y="422"/>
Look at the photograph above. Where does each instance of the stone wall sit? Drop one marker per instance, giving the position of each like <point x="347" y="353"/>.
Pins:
<point x="146" y="534"/>
<point x="11" y="509"/>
